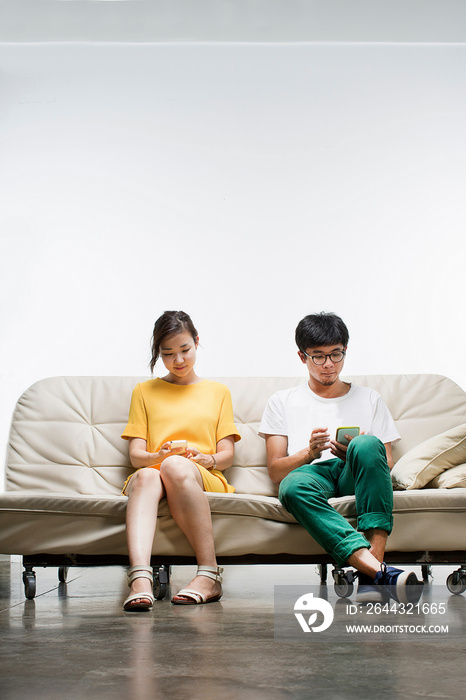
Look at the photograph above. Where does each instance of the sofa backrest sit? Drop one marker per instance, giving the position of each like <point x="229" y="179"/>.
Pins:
<point x="65" y="433"/>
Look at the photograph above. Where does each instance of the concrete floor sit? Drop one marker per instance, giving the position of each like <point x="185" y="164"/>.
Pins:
<point x="74" y="641"/>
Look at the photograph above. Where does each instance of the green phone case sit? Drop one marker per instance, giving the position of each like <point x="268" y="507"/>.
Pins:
<point x="341" y="432"/>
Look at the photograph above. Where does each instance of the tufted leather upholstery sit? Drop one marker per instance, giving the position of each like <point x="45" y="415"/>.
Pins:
<point x="67" y="464"/>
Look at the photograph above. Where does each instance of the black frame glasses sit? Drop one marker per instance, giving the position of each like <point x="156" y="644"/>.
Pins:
<point x="335" y="352"/>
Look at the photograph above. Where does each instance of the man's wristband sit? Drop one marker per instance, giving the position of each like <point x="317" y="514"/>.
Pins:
<point x="214" y="465"/>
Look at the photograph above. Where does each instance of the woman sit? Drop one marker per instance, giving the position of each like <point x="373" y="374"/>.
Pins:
<point x="180" y="406"/>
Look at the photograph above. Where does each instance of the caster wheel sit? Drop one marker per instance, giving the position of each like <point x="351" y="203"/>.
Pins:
<point x="160" y="590"/>
<point x="343" y="589"/>
<point x="161" y="582"/>
<point x="343" y="582"/>
<point x="62" y="573"/>
<point x="29" y="580"/>
<point x="456" y="583"/>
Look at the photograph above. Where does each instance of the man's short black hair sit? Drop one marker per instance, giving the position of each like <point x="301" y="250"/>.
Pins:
<point x="316" y="330"/>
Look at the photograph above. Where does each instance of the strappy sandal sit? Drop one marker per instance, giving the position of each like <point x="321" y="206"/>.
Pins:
<point x="195" y="597"/>
<point x="144" y="600"/>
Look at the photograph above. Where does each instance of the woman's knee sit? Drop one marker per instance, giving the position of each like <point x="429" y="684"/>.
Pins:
<point x="177" y="469"/>
<point x="145" y="477"/>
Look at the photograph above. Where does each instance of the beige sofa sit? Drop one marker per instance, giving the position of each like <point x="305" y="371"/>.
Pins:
<point x="66" y="465"/>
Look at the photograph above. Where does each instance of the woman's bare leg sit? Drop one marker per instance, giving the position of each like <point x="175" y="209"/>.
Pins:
<point x="145" y="490"/>
<point x="190" y="509"/>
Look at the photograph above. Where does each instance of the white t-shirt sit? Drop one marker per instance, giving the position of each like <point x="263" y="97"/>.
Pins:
<point x="296" y="412"/>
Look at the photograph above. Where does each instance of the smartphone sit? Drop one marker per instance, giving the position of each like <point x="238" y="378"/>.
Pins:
<point x="176" y="444"/>
<point x="341" y="432"/>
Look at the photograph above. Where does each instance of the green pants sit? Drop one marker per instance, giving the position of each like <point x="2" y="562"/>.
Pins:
<point x="305" y="492"/>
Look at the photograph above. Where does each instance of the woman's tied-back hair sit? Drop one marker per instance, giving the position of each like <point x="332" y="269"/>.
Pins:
<point x="321" y="329"/>
<point x="169" y="323"/>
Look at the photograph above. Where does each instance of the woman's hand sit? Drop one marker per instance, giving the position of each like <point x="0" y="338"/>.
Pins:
<point x="167" y="451"/>
<point x="207" y="461"/>
<point x="140" y="457"/>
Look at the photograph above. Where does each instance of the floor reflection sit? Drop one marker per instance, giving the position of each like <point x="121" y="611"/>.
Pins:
<point x="75" y="634"/>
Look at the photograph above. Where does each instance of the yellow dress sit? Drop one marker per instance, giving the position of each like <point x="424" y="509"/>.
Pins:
<point x="200" y="413"/>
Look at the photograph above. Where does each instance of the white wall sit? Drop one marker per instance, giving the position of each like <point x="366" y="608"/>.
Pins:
<point x="246" y="184"/>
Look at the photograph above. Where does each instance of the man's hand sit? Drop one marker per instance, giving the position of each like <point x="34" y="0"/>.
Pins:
<point x="339" y="450"/>
<point x="319" y="442"/>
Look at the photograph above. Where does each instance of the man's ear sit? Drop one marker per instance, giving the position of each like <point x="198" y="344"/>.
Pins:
<point x="302" y="357"/>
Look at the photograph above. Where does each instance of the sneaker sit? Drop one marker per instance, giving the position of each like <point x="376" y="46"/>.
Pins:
<point x="401" y="586"/>
<point x="368" y="592"/>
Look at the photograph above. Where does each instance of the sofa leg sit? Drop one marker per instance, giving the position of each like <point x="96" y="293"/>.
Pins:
<point x="426" y="572"/>
<point x="322" y="571"/>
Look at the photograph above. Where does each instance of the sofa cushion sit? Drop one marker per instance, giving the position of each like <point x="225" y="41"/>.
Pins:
<point x="450" y="479"/>
<point x="427" y="519"/>
<point x="423" y="463"/>
<point x="252" y="480"/>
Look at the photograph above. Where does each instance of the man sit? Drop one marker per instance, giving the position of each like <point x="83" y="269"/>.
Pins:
<point x="303" y="456"/>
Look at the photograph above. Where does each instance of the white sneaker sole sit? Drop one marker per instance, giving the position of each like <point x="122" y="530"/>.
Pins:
<point x="408" y="589"/>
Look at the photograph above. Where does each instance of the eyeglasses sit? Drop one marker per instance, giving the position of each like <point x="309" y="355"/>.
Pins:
<point x="336" y="356"/>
